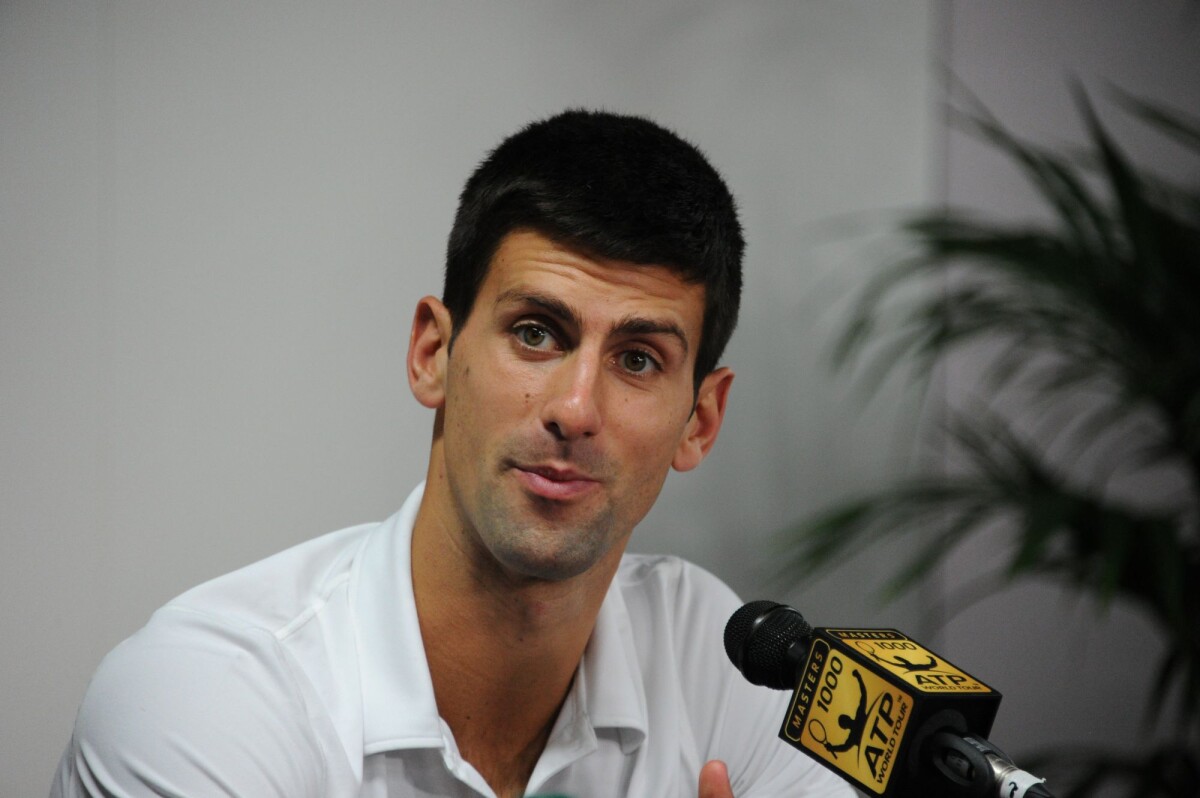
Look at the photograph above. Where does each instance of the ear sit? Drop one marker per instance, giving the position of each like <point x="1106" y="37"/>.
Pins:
<point x="428" y="352"/>
<point x="701" y="431"/>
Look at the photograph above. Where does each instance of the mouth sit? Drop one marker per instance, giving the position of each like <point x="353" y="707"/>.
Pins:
<point x="553" y="482"/>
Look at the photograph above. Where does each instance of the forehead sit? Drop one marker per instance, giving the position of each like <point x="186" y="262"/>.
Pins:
<point x="528" y="262"/>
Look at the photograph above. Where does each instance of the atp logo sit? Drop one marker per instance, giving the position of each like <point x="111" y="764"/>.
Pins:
<point x="919" y="667"/>
<point x="900" y="661"/>
<point x="857" y="723"/>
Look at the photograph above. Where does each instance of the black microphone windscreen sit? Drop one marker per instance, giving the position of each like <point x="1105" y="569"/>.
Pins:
<point x="759" y="638"/>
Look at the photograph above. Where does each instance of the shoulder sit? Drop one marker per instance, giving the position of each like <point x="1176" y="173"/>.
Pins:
<point x="273" y="592"/>
<point x="666" y="575"/>
<point x="191" y="702"/>
<point x="205" y="697"/>
<point x="675" y="596"/>
<point x="678" y="611"/>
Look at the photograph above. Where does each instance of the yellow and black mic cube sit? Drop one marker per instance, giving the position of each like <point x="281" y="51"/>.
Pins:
<point x="867" y="699"/>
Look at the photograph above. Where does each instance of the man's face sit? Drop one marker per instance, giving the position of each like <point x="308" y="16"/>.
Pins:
<point x="568" y="395"/>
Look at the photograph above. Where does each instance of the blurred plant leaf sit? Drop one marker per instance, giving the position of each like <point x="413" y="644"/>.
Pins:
<point x="1088" y="324"/>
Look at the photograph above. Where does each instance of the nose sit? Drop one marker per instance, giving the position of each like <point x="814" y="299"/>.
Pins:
<point x="572" y="406"/>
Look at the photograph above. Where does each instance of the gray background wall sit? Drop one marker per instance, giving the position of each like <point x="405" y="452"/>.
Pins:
<point x="215" y="219"/>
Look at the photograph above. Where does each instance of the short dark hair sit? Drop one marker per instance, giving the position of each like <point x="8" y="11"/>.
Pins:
<point x="614" y="186"/>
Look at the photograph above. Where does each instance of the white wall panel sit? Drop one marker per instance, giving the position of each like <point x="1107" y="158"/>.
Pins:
<point x="215" y="219"/>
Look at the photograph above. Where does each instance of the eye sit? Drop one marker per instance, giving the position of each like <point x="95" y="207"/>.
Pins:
<point x="636" y="361"/>
<point x="534" y="336"/>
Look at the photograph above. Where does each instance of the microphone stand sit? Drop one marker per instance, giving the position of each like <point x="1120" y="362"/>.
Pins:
<point x="972" y="767"/>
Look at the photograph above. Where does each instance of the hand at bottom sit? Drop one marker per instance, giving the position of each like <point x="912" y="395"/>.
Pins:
<point x="714" y="780"/>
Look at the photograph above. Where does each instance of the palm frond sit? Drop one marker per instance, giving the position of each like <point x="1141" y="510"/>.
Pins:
<point x="1166" y="119"/>
<point x="1087" y="324"/>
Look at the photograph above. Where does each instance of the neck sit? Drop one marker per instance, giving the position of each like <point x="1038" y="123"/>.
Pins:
<point x="502" y="649"/>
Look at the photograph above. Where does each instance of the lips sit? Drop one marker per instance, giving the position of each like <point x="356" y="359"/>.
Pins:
<point x="557" y="484"/>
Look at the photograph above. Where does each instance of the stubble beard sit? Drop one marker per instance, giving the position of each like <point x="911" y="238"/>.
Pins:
<point x="531" y="537"/>
<point x="531" y="543"/>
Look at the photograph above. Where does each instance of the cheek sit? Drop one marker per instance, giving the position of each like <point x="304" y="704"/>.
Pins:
<point x="652" y="436"/>
<point x="485" y="393"/>
<point x="647" y="458"/>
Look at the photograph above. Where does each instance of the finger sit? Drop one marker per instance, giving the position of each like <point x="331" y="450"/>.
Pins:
<point x="714" y="780"/>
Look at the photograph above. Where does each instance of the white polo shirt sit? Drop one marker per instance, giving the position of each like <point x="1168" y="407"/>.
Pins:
<point x="305" y="675"/>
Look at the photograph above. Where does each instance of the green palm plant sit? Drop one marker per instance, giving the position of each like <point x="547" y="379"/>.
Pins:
<point x="1092" y="317"/>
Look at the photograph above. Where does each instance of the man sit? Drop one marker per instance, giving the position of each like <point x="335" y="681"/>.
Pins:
<point x="491" y="639"/>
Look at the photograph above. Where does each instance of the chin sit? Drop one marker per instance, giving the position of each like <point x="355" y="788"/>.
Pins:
<point x="550" y="566"/>
<point x="547" y="569"/>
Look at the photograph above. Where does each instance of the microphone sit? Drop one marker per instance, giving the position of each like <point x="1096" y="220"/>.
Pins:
<point x="877" y="708"/>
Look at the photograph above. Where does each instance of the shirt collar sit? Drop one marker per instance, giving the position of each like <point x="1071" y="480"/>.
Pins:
<point x="609" y="679"/>
<point x="399" y="708"/>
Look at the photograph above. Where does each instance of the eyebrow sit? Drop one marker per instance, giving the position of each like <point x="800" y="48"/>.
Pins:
<point x="552" y="305"/>
<point x="636" y="325"/>
<point x="630" y="325"/>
